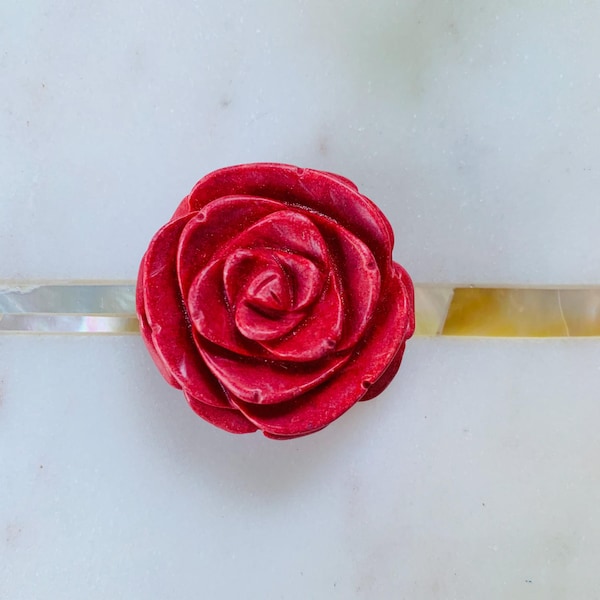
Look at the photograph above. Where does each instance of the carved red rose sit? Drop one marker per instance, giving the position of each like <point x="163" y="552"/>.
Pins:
<point x="271" y="299"/>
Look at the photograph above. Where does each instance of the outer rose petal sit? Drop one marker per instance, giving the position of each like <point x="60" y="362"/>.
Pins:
<point x="342" y="179"/>
<point x="386" y="377"/>
<point x="171" y="334"/>
<point x="146" y="331"/>
<point x="265" y="382"/>
<point x="316" y="190"/>
<point x="184" y="205"/>
<point x="322" y="405"/>
<point x="183" y="209"/>
<point x="272" y="436"/>
<point x="228" y="419"/>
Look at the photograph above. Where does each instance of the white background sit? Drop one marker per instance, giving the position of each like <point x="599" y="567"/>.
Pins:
<point x="475" y="126"/>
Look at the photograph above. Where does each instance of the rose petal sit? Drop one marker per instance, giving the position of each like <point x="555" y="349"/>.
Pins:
<point x="290" y="281"/>
<point x="229" y="419"/>
<point x="315" y="409"/>
<point x="360" y="277"/>
<point x="269" y="289"/>
<point x="316" y="190"/>
<point x="182" y="209"/>
<point x="257" y="276"/>
<point x="146" y="331"/>
<point x="288" y="231"/>
<point x="166" y="317"/>
<point x="296" y="234"/>
<point x="307" y="279"/>
<point x="341" y="179"/>
<point x="256" y="326"/>
<point x="264" y="382"/>
<point x="259" y="293"/>
<point x="215" y="228"/>
<point x="386" y="377"/>
<point x="303" y="278"/>
<point x="224" y="325"/>
<point x="407" y="297"/>
<point x="318" y="335"/>
<point x="212" y="317"/>
<point x="272" y="436"/>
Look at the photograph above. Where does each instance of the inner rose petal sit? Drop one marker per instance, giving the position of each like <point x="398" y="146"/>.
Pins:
<point x="259" y="294"/>
<point x="261" y="327"/>
<point x="211" y="315"/>
<point x="307" y="279"/>
<point x="270" y="291"/>
<point x="282" y="280"/>
<point x="287" y="231"/>
<point x="318" y="335"/>
<point x="257" y="274"/>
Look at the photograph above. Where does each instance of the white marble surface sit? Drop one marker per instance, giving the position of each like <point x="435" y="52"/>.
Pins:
<point x="475" y="126"/>
<point x="476" y="476"/>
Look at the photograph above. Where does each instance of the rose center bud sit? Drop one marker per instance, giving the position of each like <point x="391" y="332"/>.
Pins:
<point x="269" y="292"/>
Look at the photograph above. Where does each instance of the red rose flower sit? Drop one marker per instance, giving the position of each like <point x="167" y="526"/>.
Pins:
<point x="271" y="299"/>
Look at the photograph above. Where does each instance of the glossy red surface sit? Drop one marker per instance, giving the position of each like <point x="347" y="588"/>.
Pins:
<point x="271" y="299"/>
